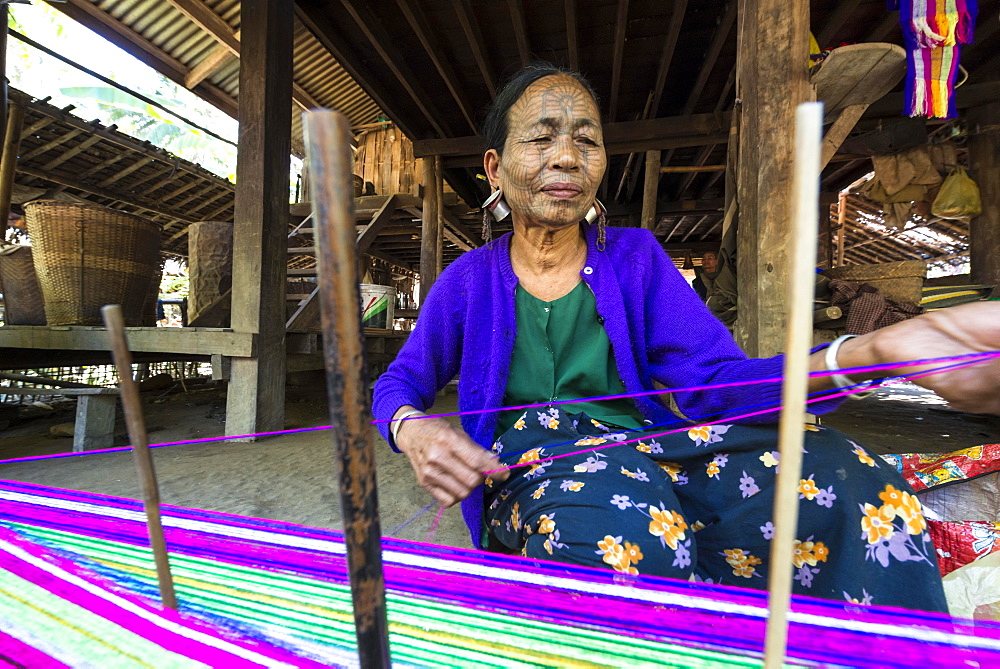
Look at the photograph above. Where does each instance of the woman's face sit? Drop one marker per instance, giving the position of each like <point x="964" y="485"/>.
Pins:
<point x="553" y="160"/>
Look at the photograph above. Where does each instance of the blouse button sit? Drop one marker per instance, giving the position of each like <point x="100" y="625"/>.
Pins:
<point x="588" y="270"/>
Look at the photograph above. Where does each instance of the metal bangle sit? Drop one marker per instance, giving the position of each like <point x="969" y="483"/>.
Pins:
<point x="394" y="426"/>
<point x="839" y="380"/>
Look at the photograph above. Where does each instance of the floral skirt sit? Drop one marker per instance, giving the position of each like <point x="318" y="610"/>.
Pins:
<point x="697" y="505"/>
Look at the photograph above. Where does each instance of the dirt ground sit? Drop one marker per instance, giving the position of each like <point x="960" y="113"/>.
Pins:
<point x="292" y="477"/>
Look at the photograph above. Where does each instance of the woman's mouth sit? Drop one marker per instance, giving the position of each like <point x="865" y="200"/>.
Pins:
<point x="561" y="190"/>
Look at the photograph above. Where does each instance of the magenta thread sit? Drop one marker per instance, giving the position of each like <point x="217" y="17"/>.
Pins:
<point x="731" y="419"/>
<point x="714" y="386"/>
<point x="969" y="358"/>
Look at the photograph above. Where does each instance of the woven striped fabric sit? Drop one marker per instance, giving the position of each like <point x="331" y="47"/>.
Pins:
<point x="285" y="586"/>
<point x="55" y="613"/>
<point x="932" y="33"/>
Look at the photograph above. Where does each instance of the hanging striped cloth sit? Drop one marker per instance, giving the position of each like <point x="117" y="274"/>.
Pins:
<point x="933" y="31"/>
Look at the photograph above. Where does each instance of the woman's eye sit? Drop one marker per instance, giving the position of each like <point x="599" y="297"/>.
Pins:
<point x="543" y="138"/>
<point x="586" y="140"/>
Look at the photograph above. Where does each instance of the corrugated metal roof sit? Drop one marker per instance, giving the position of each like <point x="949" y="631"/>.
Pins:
<point x="316" y="71"/>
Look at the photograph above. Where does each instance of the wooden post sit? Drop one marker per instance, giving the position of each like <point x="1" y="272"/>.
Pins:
<point x="439" y="244"/>
<point x="132" y="404"/>
<point x="8" y="162"/>
<point x="802" y="259"/>
<point x="773" y="79"/>
<point x="256" y="397"/>
<point x="984" y="160"/>
<point x="429" y="227"/>
<point x="649" y="186"/>
<point x="841" y="227"/>
<point x="328" y="147"/>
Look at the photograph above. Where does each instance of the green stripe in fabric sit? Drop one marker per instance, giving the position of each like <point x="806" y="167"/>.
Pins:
<point x="421" y="630"/>
<point x="84" y="638"/>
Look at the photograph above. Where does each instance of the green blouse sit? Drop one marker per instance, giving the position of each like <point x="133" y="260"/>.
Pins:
<point x="562" y="352"/>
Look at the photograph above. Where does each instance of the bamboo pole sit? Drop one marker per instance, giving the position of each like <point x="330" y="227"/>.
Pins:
<point x="8" y="162"/>
<point x="328" y="152"/>
<point x="805" y="228"/>
<point x="132" y="405"/>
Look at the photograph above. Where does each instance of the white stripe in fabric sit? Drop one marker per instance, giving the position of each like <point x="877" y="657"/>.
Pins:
<point x="684" y="600"/>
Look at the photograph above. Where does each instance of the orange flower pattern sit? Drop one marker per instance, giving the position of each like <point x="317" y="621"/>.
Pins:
<point x="627" y="509"/>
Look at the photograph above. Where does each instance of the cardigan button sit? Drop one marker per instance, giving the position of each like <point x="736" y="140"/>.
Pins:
<point x="600" y="319"/>
<point x="588" y="270"/>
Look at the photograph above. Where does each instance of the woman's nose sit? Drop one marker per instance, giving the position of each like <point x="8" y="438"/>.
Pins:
<point x="566" y="155"/>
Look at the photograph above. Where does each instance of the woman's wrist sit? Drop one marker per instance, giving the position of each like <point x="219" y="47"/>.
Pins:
<point x="860" y="351"/>
<point x="402" y="415"/>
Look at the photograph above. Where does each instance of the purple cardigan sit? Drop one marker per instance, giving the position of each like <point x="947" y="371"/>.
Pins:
<point x="658" y="328"/>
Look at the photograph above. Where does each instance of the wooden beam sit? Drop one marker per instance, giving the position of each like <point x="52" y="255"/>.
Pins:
<point x="200" y="341"/>
<point x="315" y="16"/>
<point x="256" y="397"/>
<point x="845" y="9"/>
<point x="470" y="26"/>
<point x="124" y="172"/>
<point x="616" y="135"/>
<point x="839" y="131"/>
<point x="116" y="138"/>
<point x="617" y="55"/>
<point x="379" y="221"/>
<point x="8" y="162"/>
<point x="667" y="55"/>
<point x="51" y="144"/>
<point x="694" y="228"/>
<point x="414" y="15"/>
<point x="116" y="196"/>
<point x="209" y="65"/>
<point x="692" y="169"/>
<point x="430" y="235"/>
<point x="520" y="31"/>
<point x="202" y="16"/>
<point x="674" y="229"/>
<point x="72" y="153"/>
<point x="116" y="32"/>
<point x="773" y="47"/>
<point x="652" y="180"/>
<point x="104" y="164"/>
<point x="572" y="50"/>
<point x="984" y="160"/>
<point x="408" y="80"/>
<point x="719" y="40"/>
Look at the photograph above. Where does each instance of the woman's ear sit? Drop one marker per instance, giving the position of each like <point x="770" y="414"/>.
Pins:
<point x="491" y="164"/>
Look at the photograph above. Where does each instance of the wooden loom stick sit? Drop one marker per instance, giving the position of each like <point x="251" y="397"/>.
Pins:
<point x="132" y="406"/>
<point x="801" y="286"/>
<point x="332" y="193"/>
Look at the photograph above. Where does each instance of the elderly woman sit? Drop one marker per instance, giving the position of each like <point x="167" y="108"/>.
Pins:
<point x="564" y="309"/>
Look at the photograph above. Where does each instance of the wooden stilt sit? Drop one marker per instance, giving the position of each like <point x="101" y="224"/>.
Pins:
<point x="132" y="405"/>
<point x="805" y="228"/>
<point x="327" y="136"/>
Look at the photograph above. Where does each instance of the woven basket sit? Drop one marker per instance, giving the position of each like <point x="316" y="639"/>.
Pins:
<point x="151" y="306"/>
<point x="901" y="280"/>
<point x="23" y="303"/>
<point x="87" y="256"/>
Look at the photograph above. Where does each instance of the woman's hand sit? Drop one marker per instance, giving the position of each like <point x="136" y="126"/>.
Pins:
<point x="448" y="464"/>
<point x="968" y="328"/>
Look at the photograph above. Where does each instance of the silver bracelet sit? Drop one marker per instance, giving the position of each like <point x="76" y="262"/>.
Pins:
<point x="839" y="380"/>
<point x="394" y="426"/>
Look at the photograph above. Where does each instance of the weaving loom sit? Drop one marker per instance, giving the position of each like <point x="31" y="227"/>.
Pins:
<point x="80" y="579"/>
<point x="282" y="590"/>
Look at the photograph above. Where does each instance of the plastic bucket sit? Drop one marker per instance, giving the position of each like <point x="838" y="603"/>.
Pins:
<point x="377" y="304"/>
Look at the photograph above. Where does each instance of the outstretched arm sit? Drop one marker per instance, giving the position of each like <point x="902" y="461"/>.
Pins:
<point x="955" y="331"/>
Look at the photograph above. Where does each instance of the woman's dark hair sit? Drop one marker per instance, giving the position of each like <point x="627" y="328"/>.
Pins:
<point x="495" y="126"/>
